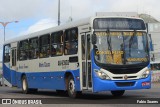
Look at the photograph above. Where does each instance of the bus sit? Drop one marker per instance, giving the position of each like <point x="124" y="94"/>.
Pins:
<point x="95" y="54"/>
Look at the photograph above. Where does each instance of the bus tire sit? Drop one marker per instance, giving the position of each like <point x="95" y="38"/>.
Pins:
<point x="71" y="88"/>
<point x="118" y="93"/>
<point x="25" y="88"/>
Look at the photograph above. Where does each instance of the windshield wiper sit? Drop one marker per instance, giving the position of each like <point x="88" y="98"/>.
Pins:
<point x="131" y="42"/>
<point x="109" y="42"/>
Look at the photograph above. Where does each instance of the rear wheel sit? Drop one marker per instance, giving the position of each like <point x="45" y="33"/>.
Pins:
<point x="118" y="93"/>
<point x="25" y="88"/>
<point x="71" y="88"/>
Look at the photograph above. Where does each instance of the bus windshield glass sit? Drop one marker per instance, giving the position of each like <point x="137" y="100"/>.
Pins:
<point x="122" y="48"/>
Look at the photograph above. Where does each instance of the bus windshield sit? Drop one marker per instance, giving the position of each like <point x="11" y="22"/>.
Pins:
<point x="118" y="47"/>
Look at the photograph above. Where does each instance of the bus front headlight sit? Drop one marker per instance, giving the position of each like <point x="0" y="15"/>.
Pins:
<point x="145" y="73"/>
<point x="102" y="74"/>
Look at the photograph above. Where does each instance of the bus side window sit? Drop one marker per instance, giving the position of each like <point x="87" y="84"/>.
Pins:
<point x="57" y="43"/>
<point x="23" y="50"/>
<point x="7" y="50"/>
<point x="33" y="48"/>
<point x="71" y="41"/>
<point x="44" y="48"/>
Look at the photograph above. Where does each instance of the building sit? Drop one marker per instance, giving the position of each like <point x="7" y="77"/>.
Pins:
<point x="154" y="32"/>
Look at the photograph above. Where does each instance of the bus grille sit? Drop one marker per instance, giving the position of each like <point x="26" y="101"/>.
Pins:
<point x="129" y="77"/>
<point x="124" y="71"/>
<point x="124" y="84"/>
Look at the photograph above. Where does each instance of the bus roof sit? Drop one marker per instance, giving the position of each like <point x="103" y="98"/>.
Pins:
<point x="61" y="27"/>
<point x="49" y="30"/>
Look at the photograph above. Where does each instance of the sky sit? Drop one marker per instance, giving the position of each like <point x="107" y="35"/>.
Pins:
<point x="35" y="15"/>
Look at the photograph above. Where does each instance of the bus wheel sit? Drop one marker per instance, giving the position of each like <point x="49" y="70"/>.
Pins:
<point x="25" y="88"/>
<point x="71" y="88"/>
<point x="117" y="93"/>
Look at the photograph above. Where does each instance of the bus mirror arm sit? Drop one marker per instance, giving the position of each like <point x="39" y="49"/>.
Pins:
<point x="94" y="39"/>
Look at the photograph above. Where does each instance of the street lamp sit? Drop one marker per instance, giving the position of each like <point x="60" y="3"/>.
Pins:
<point x="4" y="26"/>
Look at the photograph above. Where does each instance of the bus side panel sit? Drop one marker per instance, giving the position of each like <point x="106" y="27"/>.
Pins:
<point x="13" y="78"/>
<point x="48" y="80"/>
<point x="18" y="79"/>
<point x="7" y="72"/>
<point x="39" y="80"/>
<point x="77" y="80"/>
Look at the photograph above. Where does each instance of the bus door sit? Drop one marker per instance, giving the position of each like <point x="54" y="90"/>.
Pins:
<point x="13" y="63"/>
<point x="85" y="61"/>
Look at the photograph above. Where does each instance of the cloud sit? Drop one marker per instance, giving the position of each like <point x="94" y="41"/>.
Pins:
<point x="25" y="9"/>
<point x="80" y="9"/>
<point x="40" y="25"/>
<point x="141" y="6"/>
<point x="20" y="9"/>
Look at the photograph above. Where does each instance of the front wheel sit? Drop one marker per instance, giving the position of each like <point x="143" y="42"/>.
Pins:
<point x="71" y="88"/>
<point x="117" y="93"/>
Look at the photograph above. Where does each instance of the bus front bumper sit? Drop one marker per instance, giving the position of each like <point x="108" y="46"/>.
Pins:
<point x="112" y="85"/>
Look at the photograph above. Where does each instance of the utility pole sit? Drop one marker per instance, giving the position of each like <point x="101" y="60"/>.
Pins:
<point x="58" y="12"/>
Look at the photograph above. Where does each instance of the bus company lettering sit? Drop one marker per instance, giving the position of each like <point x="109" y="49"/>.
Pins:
<point x="23" y="66"/>
<point x="44" y="64"/>
<point x="63" y="62"/>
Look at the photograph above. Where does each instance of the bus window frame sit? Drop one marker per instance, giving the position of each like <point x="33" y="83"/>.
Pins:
<point x="54" y="43"/>
<point x="69" y="41"/>
<point x="37" y="56"/>
<point x="40" y="45"/>
<point x="19" y="44"/>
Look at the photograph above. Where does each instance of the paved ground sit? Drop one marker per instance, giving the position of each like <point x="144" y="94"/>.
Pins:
<point x="87" y="100"/>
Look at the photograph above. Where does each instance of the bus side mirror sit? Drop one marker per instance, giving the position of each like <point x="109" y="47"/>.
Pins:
<point x="94" y="39"/>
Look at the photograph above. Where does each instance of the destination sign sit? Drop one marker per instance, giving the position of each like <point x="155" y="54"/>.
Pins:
<point x="118" y="33"/>
<point x="119" y="23"/>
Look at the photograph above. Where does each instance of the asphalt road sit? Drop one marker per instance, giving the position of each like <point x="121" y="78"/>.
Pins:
<point x="87" y="99"/>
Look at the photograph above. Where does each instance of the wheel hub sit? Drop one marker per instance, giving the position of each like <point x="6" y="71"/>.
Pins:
<point x="71" y="86"/>
<point x="24" y="85"/>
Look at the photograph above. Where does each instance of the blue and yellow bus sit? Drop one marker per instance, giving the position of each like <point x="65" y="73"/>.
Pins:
<point x="95" y="54"/>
